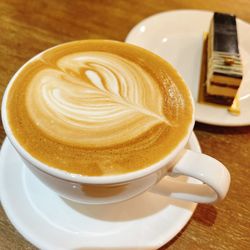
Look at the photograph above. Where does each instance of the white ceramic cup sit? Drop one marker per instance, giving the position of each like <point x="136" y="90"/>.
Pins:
<point x="214" y="176"/>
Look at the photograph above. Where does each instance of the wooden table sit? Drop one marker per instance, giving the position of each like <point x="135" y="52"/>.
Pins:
<point x="28" y="27"/>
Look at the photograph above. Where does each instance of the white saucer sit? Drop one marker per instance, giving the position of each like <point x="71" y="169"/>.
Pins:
<point x="177" y="37"/>
<point x="50" y="222"/>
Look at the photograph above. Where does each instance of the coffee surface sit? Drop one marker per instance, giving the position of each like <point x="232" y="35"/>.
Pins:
<point x="98" y="107"/>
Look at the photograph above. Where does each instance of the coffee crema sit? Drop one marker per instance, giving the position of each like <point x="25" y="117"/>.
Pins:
<point x="98" y="107"/>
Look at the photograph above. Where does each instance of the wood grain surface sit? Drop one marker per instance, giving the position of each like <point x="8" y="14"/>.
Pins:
<point x="28" y="27"/>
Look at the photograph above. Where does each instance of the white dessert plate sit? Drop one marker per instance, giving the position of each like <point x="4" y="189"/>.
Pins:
<point x="50" y="222"/>
<point x="177" y="36"/>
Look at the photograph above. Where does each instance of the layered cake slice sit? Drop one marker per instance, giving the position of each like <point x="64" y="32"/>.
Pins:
<point x="224" y="67"/>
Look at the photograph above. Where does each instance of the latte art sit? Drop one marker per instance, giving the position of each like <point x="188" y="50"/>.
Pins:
<point x="98" y="107"/>
<point x="92" y="98"/>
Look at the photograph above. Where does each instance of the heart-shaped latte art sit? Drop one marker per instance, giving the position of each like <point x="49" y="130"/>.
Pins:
<point x="95" y="99"/>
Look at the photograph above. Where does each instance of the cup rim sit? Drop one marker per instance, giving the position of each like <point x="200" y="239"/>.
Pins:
<point x="72" y="177"/>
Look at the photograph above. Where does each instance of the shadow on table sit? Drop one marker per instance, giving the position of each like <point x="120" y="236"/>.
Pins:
<point x="222" y="129"/>
<point x="204" y="214"/>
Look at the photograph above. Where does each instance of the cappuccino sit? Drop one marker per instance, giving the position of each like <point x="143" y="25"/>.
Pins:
<point x="98" y="107"/>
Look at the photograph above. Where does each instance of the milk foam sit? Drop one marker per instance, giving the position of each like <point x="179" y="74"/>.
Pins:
<point x="98" y="107"/>
<point x="95" y="99"/>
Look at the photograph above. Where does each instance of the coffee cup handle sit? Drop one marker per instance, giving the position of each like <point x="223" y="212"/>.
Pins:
<point x="213" y="174"/>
